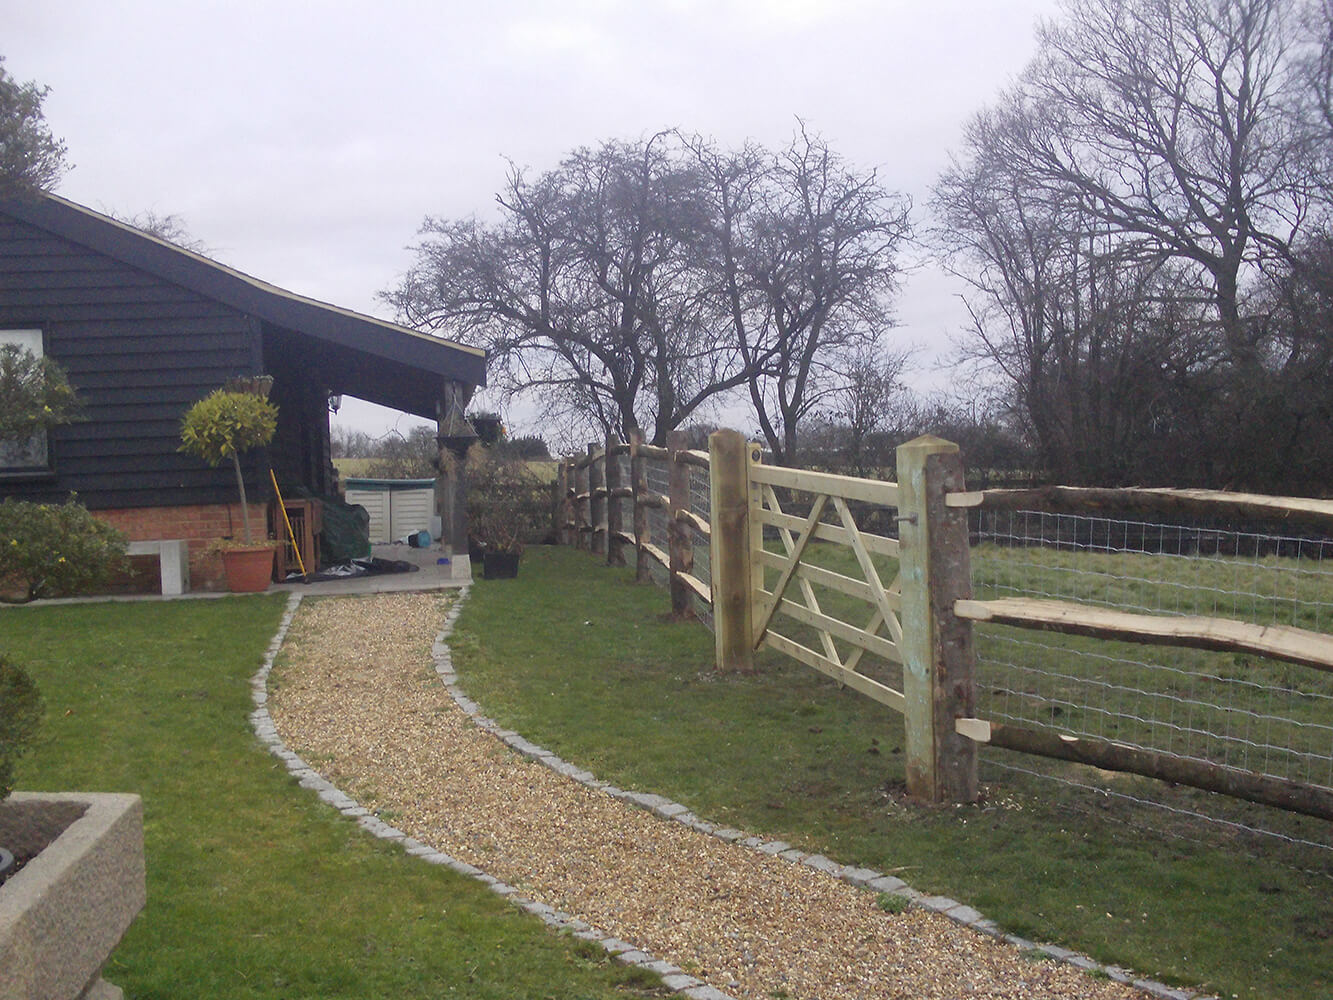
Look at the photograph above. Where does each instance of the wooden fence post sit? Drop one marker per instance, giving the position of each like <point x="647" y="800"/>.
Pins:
<point x="581" y="522"/>
<point x="730" y="558"/>
<point x="557" y="507"/>
<point x="568" y="482"/>
<point x="597" y="500"/>
<point x="639" y="483"/>
<point x="615" y="514"/>
<point x="681" y="540"/>
<point x="938" y="654"/>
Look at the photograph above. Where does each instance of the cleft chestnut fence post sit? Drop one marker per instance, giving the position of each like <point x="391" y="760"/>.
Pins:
<point x="615" y="511"/>
<point x="639" y="484"/>
<point x="730" y="542"/>
<point x="582" y="526"/>
<point x="680" y="548"/>
<point x="597" y="499"/>
<point x="937" y="647"/>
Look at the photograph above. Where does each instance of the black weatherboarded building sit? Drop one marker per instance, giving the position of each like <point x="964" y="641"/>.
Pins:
<point x="144" y="329"/>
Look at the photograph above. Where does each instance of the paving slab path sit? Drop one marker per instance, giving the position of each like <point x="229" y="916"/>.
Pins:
<point x="356" y="693"/>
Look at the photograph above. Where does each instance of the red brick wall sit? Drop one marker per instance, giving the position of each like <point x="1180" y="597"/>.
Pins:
<point x="198" y="525"/>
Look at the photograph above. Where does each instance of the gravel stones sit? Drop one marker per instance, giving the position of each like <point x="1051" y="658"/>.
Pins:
<point x="357" y="695"/>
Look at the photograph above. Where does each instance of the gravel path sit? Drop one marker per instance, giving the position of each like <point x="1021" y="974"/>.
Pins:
<point x="354" y="693"/>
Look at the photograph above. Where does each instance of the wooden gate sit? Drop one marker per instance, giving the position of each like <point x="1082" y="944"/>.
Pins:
<point x="857" y="622"/>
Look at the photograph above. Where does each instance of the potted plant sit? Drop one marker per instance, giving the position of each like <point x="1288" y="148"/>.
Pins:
<point x="219" y="427"/>
<point x="507" y="507"/>
<point x="75" y="879"/>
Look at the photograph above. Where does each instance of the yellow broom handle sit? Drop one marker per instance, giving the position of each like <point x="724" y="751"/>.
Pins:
<point x="282" y="506"/>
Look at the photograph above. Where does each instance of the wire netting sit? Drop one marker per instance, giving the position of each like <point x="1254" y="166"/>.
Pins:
<point x="658" y="477"/>
<point x="1235" y="710"/>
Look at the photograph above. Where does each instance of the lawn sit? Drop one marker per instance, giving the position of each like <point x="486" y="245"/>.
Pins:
<point x="580" y="659"/>
<point x="256" y="890"/>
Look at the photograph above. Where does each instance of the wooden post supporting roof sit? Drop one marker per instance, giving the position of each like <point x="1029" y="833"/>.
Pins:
<point x="454" y="436"/>
<point x="733" y="592"/>
<point x="938" y="655"/>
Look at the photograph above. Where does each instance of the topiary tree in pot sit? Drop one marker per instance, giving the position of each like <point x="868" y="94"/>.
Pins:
<point x="222" y="426"/>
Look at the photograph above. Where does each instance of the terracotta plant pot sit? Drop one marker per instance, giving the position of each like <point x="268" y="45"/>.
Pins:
<point x="249" y="571"/>
<point x="499" y="565"/>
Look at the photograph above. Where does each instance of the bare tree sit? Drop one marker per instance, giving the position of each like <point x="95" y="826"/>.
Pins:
<point x="869" y="398"/>
<point x="1090" y="339"/>
<point x="1170" y="120"/>
<point x="169" y="226"/>
<point x="640" y="282"/>
<point x="1318" y="64"/>
<point x="803" y="261"/>
<point x="585" y="292"/>
<point x="1117" y="214"/>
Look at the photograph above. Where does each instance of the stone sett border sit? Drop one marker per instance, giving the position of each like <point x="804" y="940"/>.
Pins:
<point x="674" y="978"/>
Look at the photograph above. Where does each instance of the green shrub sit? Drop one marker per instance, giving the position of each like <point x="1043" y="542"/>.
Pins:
<point x="34" y="393"/>
<point x="20" y="712"/>
<point x="509" y="505"/>
<point x="56" y="551"/>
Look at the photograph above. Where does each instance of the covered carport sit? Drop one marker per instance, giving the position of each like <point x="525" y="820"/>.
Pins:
<point x="321" y="353"/>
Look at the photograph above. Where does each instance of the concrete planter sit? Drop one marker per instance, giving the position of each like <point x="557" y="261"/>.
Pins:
<point x="61" y="916"/>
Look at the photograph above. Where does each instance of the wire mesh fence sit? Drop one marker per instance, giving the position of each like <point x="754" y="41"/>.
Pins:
<point x="657" y="474"/>
<point x="1237" y="711"/>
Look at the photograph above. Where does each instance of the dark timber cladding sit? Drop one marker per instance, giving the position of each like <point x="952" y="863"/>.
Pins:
<point x="144" y="329"/>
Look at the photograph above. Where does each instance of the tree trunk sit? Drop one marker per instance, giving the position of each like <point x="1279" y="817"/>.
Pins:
<point x="240" y="486"/>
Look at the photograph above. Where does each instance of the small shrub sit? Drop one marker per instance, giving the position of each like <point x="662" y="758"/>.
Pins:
<point x="892" y="902"/>
<point x="20" y="712"/>
<point x="56" y="551"/>
<point x="509" y="505"/>
<point x="34" y="393"/>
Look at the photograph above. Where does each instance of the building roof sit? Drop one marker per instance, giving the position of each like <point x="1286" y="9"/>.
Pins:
<point x="359" y="339"/>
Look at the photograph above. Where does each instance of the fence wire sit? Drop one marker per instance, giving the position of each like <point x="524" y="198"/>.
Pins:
<point x="1239" y="711"/>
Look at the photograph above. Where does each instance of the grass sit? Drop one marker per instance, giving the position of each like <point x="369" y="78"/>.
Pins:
<point x="579" y="659"/>
<point x="256" y="891"/>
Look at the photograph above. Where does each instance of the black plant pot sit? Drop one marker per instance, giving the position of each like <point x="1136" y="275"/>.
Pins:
<point x="499" y="565"/>
<point x="475" y="551"/>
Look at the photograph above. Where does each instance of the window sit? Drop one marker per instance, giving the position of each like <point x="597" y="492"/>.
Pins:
<point x="29" y="454"/>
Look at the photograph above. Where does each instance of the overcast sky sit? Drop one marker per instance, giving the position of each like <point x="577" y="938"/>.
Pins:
<point x="303" y="143"/>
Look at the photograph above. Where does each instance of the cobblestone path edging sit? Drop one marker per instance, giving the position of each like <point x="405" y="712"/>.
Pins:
<point x="673" y="977"/>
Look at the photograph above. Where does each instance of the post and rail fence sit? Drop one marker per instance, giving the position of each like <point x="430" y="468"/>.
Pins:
<point x="871" y="583"/>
